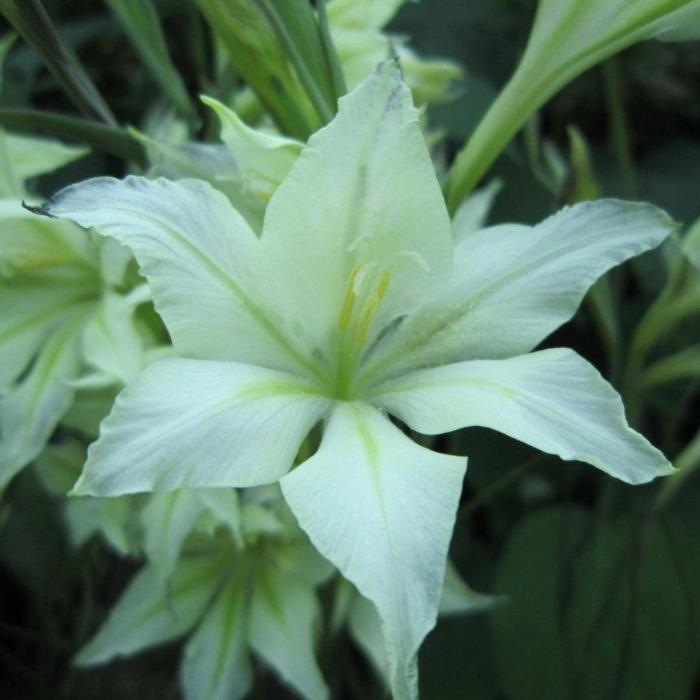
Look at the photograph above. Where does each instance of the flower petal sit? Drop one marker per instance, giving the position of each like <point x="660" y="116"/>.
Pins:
<point x="263" y="159"/>
<point x="196" y="251"/>
<point x="167" y="519"/>
<point x="362" y="192"/>
<point x="553" y="400"/>
<point x="111" y="342"/>
<point x="513" y="285"/>
<point x="30" y="314"/>
<point x="216" y="664"/>
<point x="147" y="614"/>
<point x="31" y="156"/>
<point x="284" y="612"/>
<point x="31" y="411"/>
<point x="381" y="508"/>
<point x="197" y="423"/>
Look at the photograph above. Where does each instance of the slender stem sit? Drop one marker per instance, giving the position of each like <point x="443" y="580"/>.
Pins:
<point x="504" y="119"/>
<point x="618" y="124"/>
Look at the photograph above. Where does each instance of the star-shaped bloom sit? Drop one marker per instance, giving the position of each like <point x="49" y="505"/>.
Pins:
<point x="358" y="303"/>
<point x="237" y="586"/>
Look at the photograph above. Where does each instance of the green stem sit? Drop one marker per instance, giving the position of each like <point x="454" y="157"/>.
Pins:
<point x="507" y="115"/>
<point x="673" y="304"/>
<point x="617" y="124"/>
<point x="555" y="55"/>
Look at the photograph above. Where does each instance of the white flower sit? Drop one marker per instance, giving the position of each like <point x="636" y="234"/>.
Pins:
<point x="356" y="303"/>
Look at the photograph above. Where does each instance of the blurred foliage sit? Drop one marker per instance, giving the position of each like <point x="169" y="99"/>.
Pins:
<point x="601" y="578"/>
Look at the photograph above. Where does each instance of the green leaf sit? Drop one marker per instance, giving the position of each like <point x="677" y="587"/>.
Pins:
<point x="105" y="138"/>
<point x="552" y="399"/>
<point x="31" y="21"/>
<point x="599" y="612"/>
<point x="147" y="615"/>
<point x="383" y="514"/>
<point x="6" y="43"/>
<point x="140" y="21"/>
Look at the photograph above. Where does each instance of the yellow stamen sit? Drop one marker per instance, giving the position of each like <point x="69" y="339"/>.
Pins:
<point x="349" y="301"/>
<point x="370" y="308"/>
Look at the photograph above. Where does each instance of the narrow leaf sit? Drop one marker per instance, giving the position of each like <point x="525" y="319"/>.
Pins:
<point x="31" y="21"/>
<point x="108" y="139"/>
<point x="141" y="24"/>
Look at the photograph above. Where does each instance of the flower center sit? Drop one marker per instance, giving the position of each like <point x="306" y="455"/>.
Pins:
<point x="366" y="287"/>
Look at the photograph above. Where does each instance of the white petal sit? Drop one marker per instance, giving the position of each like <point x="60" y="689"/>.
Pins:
<point x="363" y="191"/>
<point x="365" y="627"/>
<point x="553" y="400"/>
<point x="146" y="614"/>
<point x="223" y="506"/>
<point x="284" y="612"/>
<point x="30" y="413"/>
<point x="458" y="598"/>
<point x="474" y="211"/>
<point x="31" y="244"/>
<point x="167" y="520"/>
<point x="31" y="156"/>
<point x="197" y="253"/>
<point x="216" y="664"/>
<point x="381" y="508"/>
<point x="198" y="423"/>
<point x="30" y="313"/>
<point x="263" y="159"/>
<point x="513" y="285"/>
<point x="111" y="342"/>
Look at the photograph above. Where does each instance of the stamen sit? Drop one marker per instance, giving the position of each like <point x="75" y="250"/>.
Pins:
<point x="370" y="308"/>
<point x="349" y="301"/>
